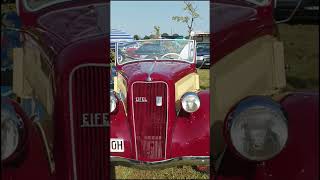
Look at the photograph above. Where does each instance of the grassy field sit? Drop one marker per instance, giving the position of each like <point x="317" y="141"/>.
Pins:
<point x="301" y="43"/>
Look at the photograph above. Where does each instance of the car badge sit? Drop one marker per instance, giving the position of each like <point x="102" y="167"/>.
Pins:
<point x="158" y="101"/>
<point x="141" y="99"/>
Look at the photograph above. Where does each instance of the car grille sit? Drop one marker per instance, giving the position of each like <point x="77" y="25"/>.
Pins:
<point x="150" y="120"/>
<point x="90" y="95"/>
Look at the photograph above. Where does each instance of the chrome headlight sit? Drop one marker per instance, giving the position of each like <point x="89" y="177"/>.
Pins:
<point x="10" y="135"/>
<point x="258" y="128"/>
<point x="113" y="102"/>
<point x="190" y="102"/>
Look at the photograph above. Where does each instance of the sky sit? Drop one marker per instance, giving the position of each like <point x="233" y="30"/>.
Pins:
<point x="139" y="17"/>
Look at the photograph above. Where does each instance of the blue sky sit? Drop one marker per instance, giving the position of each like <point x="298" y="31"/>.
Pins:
<point x="139" y="17"/>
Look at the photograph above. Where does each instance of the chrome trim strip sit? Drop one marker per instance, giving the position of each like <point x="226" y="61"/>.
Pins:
<point x="46" y="144"/>
<point x="134" y="126"/>
<point x="71" y="112"/>
<point x="184" y="160"/>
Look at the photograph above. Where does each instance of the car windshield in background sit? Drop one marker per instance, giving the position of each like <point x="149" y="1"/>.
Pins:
<point x="157" y="49"/>
<point x="34" y="5"/>
<point x="203" y="49"/>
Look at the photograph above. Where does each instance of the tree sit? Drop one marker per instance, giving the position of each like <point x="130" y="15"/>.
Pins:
<point x="152" y="36"/>
<point x="146" y="37"/>
<point x="191" y="16"/>
<point x="187" y="37"/>
<point x="157" y="31"/>
<point x="136" y="37"/>
<point x="164" y="34"/>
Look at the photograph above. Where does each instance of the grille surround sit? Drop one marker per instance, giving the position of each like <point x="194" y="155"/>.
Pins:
<point x="134" y="120"/>
<point x="77" y="166"/>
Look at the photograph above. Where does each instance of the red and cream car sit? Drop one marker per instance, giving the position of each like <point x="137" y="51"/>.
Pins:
<point x="159" y="115"/>
<point x="258" y="130"/>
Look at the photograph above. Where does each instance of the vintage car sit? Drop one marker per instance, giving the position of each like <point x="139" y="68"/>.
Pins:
<point x="258" y="130"/>
<point x="56" y="124"/>
<point x="203" y="55"/>
<point x="159" y="116"/>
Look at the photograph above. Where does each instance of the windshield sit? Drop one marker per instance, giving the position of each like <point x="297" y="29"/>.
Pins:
<point x="203" y="49"/>
<point x="156" y="49"/>
<point x="34" y="5"/>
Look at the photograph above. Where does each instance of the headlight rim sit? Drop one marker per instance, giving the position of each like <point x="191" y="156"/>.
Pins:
<point x="186" y="94"/>
<point x="235" y="110"/>
<point x="14" y="110"/>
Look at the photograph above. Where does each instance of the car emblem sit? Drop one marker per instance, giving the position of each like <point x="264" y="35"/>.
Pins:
<point x="158" y="101"/>
<point x="141" y="99"/>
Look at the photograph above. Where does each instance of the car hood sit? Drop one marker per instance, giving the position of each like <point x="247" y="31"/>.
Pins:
<point x="237" y="22"/>
<point x="156" y="70"/>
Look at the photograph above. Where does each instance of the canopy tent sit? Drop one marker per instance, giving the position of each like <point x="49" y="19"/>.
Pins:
<point x="119" y="36"/>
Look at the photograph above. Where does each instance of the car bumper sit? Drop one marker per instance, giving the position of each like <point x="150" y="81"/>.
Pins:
<point x="186" y="160"/>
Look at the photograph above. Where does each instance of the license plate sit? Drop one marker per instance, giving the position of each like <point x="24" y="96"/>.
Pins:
<point x="116" y="145"/>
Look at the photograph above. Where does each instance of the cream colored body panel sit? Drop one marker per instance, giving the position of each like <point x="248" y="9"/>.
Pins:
<point x="189" y="83"/>
<point x="29" y="78"/>
<point x="256" y="68"/>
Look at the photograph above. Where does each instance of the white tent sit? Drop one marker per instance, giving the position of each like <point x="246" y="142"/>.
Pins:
<point x="119" y="36"/>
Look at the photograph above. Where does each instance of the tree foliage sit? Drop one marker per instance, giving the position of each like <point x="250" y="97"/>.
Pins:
<point x="136" y="37"/>
<point x="191" y="16"/>
<point x="146" y="37"/>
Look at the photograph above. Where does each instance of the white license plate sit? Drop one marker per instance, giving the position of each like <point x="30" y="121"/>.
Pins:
<point x="116" y="145"/>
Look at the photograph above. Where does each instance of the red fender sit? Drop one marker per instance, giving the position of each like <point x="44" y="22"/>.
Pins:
<point x="32" y="163"/>
<point x="298" y="160"/>
<point x="193" y="130"/>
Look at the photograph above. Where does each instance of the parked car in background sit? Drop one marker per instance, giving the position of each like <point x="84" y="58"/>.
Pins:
<point x="305" y="11"/>
<point x="203" y="48"/>
<point x="203" y="55"/>
<point x="259" y="130"/>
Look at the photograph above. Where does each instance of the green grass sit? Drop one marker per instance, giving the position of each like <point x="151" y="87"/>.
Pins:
<point x="301" y="50"/>
<point x="185" y="172"/>
<point x="204" y="78"/>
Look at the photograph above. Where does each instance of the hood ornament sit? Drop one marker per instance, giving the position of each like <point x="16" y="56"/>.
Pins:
<point x="149" y="79"/>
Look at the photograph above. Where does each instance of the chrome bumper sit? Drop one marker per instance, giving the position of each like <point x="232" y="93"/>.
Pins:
<point x="185" y="160"/>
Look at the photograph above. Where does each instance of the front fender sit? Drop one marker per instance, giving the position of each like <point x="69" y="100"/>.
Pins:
<point x="119" y="128"/>
<point x="298" y="160"/>
<point x="191" y="133"/>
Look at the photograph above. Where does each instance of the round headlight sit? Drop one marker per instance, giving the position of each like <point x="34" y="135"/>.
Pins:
<point x="113" y="102"/>
<point x="190" y="102"/>
<point x="258" y="130"/>
<point x="9" y="134"/>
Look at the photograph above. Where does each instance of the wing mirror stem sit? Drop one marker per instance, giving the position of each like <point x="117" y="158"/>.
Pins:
<point x="291" y="15"/>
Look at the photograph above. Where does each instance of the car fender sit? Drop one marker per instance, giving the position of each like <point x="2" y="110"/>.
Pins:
<point x="120" y="129"/>
<point x="299" y="158"/>
<point x="32" y="157"/>
<point x="193" y="130"/>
